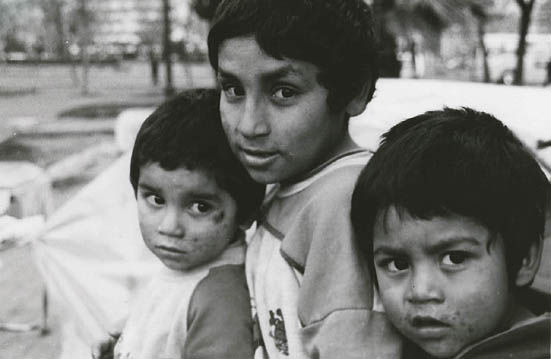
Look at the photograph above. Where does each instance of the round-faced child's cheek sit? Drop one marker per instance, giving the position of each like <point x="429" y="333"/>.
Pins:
<point x="219" y="216"/>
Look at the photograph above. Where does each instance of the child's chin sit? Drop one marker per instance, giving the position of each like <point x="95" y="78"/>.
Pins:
<point x="441" y="349"/>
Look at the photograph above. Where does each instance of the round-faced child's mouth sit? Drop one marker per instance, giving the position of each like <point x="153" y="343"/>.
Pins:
<point x="170" y="250"/>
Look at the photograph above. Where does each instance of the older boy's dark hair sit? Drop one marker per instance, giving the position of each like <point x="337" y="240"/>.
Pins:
<point x="335" y="35"/>
<point x="186" y="132"/>
<point x="455" y="161"/>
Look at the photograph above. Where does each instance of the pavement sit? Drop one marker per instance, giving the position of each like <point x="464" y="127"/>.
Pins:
<point x="32" y="97"/>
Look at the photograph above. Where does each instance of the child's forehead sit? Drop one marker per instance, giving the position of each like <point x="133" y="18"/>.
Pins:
<point x="235" y="52"/>
<point x="401" y="229"/>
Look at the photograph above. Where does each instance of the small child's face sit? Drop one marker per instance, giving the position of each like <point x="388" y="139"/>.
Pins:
<point x="440" y="284"/>
<point x="275" y="112"/>
<point x="185" y="218"/>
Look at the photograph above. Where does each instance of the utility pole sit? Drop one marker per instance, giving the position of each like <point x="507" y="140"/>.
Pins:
<point x="167" y="48"/>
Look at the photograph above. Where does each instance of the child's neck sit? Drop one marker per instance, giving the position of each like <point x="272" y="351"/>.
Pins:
<point x="344" y="145"/>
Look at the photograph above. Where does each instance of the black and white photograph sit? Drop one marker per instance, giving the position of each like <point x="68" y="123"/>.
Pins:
<point x="272" y="179"/>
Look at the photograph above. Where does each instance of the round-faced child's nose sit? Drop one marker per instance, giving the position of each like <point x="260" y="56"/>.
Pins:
<point x="170" y="224"/>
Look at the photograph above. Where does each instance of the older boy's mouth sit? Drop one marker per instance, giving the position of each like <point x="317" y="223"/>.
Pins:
<point x="256" y="157"/>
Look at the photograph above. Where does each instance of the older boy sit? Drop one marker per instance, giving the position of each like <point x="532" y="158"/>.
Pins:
<point x="292" y="73"/>
<point x="450" y="214"/>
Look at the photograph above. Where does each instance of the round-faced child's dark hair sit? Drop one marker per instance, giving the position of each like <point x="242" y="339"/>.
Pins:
<point x="335" y="35"/>
<point x="186" y="131"/>
<point x="454" y="162"/>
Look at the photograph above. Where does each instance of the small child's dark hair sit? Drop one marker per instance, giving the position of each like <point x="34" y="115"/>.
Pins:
<point x="455" y="162"/>
<point x="186" y="132"/>
<point x="335" y="35"/>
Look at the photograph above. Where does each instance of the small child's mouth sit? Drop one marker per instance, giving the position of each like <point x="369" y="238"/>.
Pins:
<point x="425" y="321"/>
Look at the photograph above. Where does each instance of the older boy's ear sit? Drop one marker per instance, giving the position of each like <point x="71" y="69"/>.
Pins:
<point x="530" y="264"/>
<point x="358" y="103"/>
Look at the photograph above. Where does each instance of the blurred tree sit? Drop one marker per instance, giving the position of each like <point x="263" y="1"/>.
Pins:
<point x="17" y="19"/>
<point x="412" y="20"/>
<point x="54" y="15"/>
<point x="167" y="48"/>
<point x="408" y="19"/>
<point x="81" y="18"/>
<point x="480" y="12"/>
<point x="526" y="7"/>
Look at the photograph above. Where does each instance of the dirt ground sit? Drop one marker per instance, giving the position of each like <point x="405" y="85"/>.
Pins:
<point x="21" y="286"/>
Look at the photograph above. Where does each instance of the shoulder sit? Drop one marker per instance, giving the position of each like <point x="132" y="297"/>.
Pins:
<point x="219" y="323"/>
<point x="226" y="283"/>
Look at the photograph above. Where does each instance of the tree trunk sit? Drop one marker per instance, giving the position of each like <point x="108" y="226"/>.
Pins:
<point x="413" y="51"/>
<point x="84" y="32"/>
<point x="167" y="48"/>
<point x="61" y="47"/>
<point x="525" y="17"/>
<point x="481" y="32"/>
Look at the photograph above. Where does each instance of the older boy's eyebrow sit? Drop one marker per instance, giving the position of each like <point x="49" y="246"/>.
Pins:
<point x="287" y="70"/>
<point x="269" y="76"/>
<point x="388" y="250"/>
<point x="223" y="75"/>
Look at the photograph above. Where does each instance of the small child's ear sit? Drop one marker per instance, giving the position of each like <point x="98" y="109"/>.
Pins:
<point x="358" y="103"/>
<point x="530" y="264"/>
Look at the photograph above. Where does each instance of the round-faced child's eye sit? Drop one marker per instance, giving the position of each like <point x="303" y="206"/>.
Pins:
<point x="201" y="207"/>
<point x="397" y="265"/>
<point x="454" y="258"/>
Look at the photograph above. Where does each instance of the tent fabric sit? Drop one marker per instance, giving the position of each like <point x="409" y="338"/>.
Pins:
<point x="92" y="256"/>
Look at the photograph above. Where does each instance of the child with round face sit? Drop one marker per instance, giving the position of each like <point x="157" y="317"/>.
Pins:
<point x="292" y="73"/>
<point x="194" y="201"/>
<point x="186" y="219"/>
<point x="450" y="213"/>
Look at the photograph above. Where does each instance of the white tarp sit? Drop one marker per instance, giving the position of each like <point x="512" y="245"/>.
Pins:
<point x="92" y="255"/>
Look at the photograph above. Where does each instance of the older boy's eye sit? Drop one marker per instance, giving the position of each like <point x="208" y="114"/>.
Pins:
<point x="155" y="200"/>
<point x="231" y="91"/>
<point x="454" y="258"/>
<point x="284" y="93"/>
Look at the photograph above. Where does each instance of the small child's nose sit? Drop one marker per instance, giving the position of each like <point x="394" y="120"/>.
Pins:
<point x="424" y="287"/>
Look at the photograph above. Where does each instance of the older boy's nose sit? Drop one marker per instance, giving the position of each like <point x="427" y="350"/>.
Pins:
<point x="170" y="224"/>
<point x="253" y="121"/>
<point x="424" y="287"/>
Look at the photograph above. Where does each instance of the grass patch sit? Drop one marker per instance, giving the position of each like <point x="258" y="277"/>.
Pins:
<point x="104" y="110"/>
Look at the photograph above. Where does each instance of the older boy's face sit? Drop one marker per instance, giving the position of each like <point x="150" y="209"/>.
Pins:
<point x="185" y="218"/>
<point x="439" y="283"/>
<point x="275" y="112"/>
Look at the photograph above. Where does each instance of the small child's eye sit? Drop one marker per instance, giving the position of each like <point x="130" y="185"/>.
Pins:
<point x="454" y="258"/>
<point x="396" y="265"/>
<point x="201" y="207"/>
